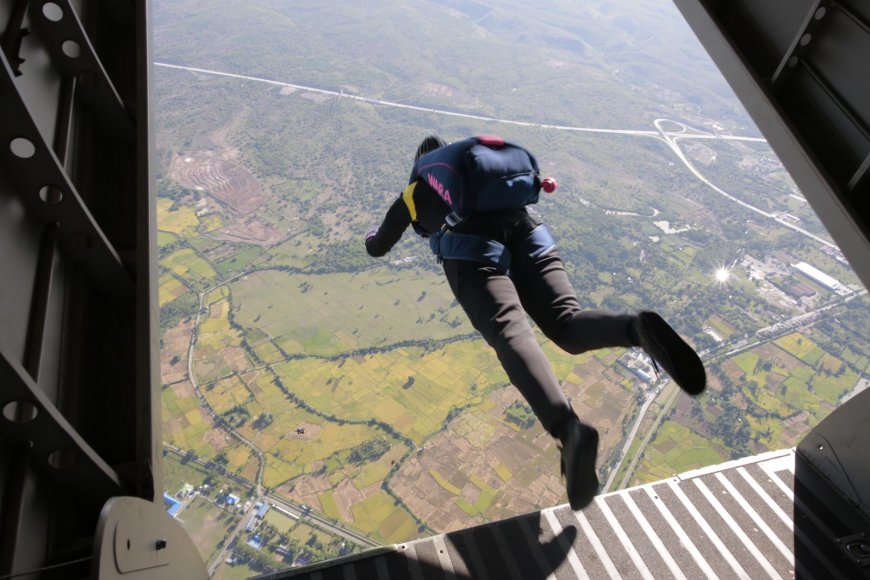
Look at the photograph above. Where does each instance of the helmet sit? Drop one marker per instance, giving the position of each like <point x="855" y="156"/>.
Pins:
<point x="430" y="143"/>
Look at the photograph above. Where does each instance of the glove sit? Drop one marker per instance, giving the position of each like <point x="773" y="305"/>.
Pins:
<point x="371" y="233"/>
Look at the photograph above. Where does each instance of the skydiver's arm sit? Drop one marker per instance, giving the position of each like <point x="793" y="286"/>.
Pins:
<point x="396" y="221"/>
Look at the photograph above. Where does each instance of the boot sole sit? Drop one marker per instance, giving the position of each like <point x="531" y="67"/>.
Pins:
<point x="586" y="455"/>
<point x="689" y="374"/>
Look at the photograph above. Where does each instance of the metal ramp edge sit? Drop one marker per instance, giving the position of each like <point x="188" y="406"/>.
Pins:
<point x="766" y="516"/>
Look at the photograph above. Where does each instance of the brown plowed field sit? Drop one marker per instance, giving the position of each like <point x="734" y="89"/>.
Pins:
<point x="230" y="183"/>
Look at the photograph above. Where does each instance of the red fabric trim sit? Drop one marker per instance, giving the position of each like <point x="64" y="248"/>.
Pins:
<point x="491" y="140"/>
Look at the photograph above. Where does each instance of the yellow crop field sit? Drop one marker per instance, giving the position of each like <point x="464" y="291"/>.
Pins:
<point x="268" y="352"/>
<point x="504" y="473"/>
<point x="182" y="221"/>
<point x="487" y="494"/>
<point x="303" y="532"/>
<point x="192" y="438"/>
<point x="482" y="485"/>
<point x="475" y="427"/>
<point x="373" y="472"/>
<point x="772" y="425"/>
<point x="802" y="347"/>
<point x="747" y="362"/>
<point x="210" y="223"/>
<point x="831" y="364"/>
<point x="411" y="389"/>
<point x="330" y="508"/>
<point x="831" y="387"/>
<point x="238" y="456"/>
<point x="216" y="332"/>
<point x="796" y="394"/>
<point x="398" y="527"/>
<point x="226" y="394"/>
<point x="378" y="515"/>
<point x="771" y="403"/>
<point x="170" y="288"/>
<point x="442" y="481"/>
<point x="188" y="265"/>
<point x="469" y="509"/>
<point x="216" y="295"/>
<point x="165" y="238"/>
<point x="333" y="313"/>
<point x="170" y="398"/>
<point x="194" y="417"/>
<point x="217" y="347"/>
<point x="368" y="512"/>
<point x="686" y="450"/>
<point x="255" y="409"/>
<point x="277" y="472"/>
<point x="289" y="454"/>
<point x="281" y="522"/>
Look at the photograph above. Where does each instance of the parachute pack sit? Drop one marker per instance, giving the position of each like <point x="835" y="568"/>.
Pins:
<point x="480" y="174"/>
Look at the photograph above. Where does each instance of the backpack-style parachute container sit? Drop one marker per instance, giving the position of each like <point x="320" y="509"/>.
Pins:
<point x="480" y="174"/>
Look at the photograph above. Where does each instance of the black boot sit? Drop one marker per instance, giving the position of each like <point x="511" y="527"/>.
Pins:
<point x="666" y="348"/>
<point x="579" y="453"/>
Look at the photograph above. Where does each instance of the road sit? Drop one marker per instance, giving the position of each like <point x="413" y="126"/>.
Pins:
<point x="671" y="138"/>
<point x="769" y="333"/>
<point x="384" y="103"/>
<point x="297" y="510"/>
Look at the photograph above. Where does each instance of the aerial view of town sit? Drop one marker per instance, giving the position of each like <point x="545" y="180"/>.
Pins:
<point x="318" y="402"/>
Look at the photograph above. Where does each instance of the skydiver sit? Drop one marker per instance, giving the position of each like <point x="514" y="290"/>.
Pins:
<point x="496" y="295"/>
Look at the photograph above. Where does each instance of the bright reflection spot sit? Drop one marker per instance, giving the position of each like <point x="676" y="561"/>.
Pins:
<point x="722" y="275"/>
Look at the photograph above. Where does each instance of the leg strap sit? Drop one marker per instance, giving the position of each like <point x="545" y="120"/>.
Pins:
<point x="448" y="245"/>
<point x="539" y="243"/>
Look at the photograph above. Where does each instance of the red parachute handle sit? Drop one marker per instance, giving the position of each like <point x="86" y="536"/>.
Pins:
<point x="549" y="184"/>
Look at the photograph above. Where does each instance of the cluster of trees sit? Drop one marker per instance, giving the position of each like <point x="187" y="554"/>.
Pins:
<point x="236" y="417"/>
<point x="368" y="451"/>
<point x="180" y="309"/>
<point x="262" y="421"/>
<point x="520" y="414"/>
<point x="180" y="195"/>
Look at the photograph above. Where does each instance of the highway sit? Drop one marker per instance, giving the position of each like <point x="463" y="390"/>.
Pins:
<point x="295" y="510"/>
<point x="384" y="103"/>
<point x="671" y="395"/>
<point x="671" y="138"/>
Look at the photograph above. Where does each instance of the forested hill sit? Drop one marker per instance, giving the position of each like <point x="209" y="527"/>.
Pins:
<point x="553" y="61"/>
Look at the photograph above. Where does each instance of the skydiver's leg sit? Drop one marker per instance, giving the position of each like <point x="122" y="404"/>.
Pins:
<point x="548" y="297"/>
<point x="490" y="300"/>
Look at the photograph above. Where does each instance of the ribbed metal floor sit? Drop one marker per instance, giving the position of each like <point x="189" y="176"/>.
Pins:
<point x="767" y="516"/>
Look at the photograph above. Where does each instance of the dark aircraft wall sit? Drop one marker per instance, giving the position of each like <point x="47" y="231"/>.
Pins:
<point x="79" y="423"/>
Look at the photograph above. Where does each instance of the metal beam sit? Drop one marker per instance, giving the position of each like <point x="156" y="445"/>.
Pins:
<point x="29" y="418"/>
<point x="801" y="39"/>
<point x="46" y="190"/>
<point x="72" y="53"/>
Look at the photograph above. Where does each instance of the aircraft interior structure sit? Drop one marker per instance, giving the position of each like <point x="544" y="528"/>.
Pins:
<point x="80" y="445"/>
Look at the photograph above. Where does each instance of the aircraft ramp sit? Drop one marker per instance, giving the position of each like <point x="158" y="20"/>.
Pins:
<point x="767" y="516"/>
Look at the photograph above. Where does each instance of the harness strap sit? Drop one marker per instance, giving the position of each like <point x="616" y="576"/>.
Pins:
<point x="452" y="246"/>
<point x="539" y="243"/>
